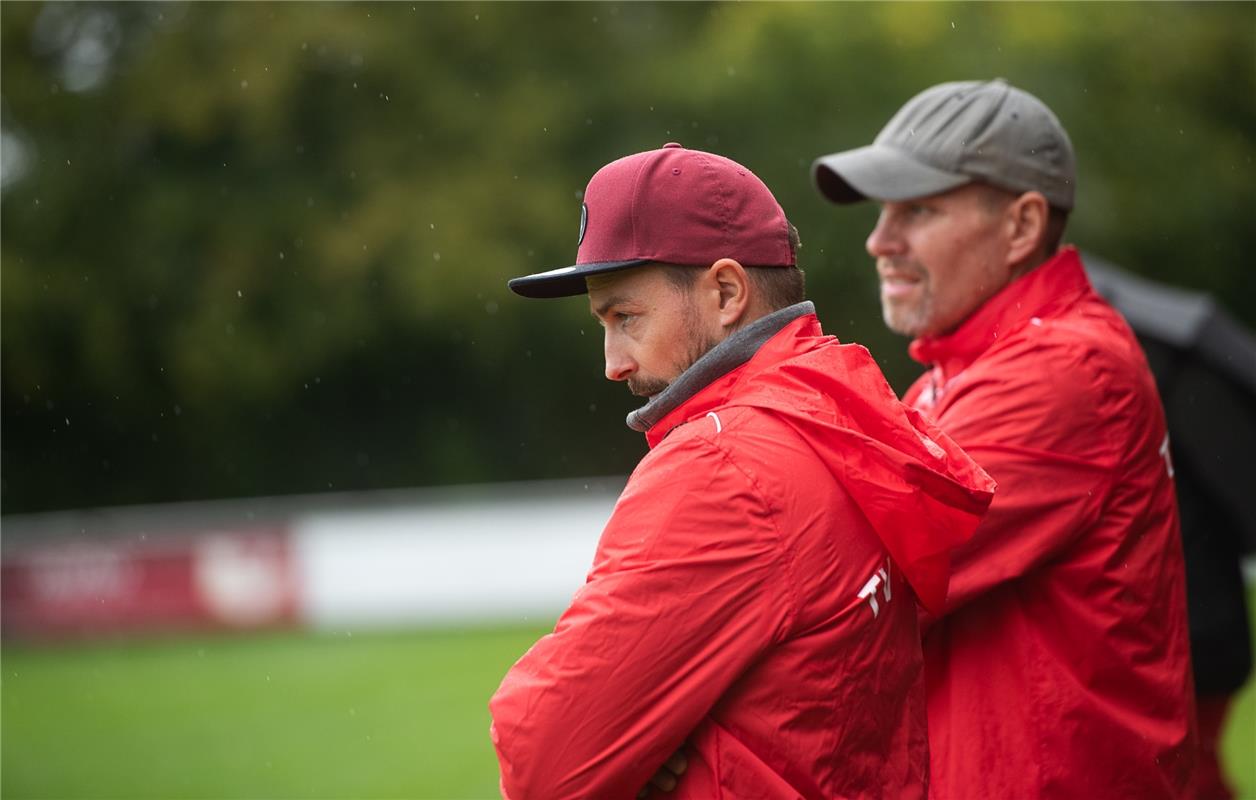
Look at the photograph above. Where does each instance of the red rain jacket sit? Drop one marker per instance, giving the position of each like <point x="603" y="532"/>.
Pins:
<point x="1061" y="667"/>
<point x="750" y="597"/>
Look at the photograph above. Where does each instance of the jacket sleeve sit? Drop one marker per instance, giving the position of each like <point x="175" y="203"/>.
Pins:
<point x="1049" y="424"/>
<point x="686" y="591"/>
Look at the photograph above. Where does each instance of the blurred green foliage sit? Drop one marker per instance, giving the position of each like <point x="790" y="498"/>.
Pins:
<point x="262" y="248"/>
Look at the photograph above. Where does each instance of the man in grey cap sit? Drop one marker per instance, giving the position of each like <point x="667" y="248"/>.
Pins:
<point x="1059" y="666"/>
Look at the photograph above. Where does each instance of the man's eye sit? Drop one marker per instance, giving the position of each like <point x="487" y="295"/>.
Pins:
<point x="624" y="318"/>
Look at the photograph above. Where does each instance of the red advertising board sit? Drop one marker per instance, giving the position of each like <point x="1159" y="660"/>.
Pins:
<point x="78" y="587"/>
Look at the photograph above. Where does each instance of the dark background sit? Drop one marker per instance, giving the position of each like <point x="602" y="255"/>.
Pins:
<point x="256" y="249"/>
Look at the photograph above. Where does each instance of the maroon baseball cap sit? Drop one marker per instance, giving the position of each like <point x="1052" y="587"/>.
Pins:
<point x="672" y="206"/>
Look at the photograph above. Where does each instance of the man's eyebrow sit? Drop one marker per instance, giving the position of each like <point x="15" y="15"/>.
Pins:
<point x="613" y="300"/>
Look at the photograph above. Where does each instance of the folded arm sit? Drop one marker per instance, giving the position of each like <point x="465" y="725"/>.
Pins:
<point x="685" y="593"/>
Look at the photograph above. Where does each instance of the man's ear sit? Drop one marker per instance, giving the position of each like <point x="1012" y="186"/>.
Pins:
<point x="729" y="278"/>
<point x="1026" y="219"/>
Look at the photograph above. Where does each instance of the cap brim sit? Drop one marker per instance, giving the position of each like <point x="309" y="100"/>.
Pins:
<point x="567" y="281"/>
<point x="879" y="173"/>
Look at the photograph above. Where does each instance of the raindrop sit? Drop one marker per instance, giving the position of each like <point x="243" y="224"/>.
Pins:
<point x="436" y="256"/>
<point x="244" y="84"/>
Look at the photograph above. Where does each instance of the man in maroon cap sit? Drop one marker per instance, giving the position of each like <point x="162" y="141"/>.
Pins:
<point x="1059" y="666"/>
<point x="753" y="596"/>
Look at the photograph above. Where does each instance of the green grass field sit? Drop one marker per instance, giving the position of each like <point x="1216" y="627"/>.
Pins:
<point x="275" y="716"/>
<point x="287" y="716"/>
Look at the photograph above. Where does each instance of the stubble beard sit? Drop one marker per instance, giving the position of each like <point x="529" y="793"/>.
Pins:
<point x="910" y="317"/>
<point x="698" y="345"/>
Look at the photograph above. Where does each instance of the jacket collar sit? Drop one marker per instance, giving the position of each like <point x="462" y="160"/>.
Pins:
<point x="1052" y="285"/>
<point x="713" y="375"/>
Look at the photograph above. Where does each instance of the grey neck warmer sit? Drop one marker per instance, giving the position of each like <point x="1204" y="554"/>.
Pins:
<point x="726" y="356"/>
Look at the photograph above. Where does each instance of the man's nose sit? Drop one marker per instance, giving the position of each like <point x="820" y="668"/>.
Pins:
<point x="884" y="239"/>
<point x="619" y="366"/>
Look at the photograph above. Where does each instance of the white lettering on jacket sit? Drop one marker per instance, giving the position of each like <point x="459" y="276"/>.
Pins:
<point x="869" y="590"/>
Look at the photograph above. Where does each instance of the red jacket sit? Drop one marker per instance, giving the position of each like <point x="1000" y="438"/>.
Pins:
<point x="743" y="598"/>
<point x="1061" y="667"/>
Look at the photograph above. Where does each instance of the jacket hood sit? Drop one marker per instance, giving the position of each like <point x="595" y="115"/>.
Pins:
<point x="921" y="493"/>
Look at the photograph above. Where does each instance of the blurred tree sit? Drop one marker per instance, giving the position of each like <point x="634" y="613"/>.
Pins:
<point x="262" y="248"/>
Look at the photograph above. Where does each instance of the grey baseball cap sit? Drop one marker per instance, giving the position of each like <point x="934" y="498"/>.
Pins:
<point x="952" y="134"/>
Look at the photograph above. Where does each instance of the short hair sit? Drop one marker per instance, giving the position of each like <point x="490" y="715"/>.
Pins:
<point x="1057" y="220"/>
<point x="776" y="287"/>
